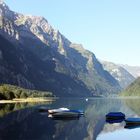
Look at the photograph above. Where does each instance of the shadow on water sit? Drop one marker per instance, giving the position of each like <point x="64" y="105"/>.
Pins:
<point x="30" y="124"/>
<point x="131" y="126"/>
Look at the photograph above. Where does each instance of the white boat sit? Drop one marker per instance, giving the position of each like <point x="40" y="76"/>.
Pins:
<point x="52" y="111"/>
<point x="66" y="114"/>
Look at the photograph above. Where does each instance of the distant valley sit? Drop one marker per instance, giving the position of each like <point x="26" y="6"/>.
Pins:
<point x="134" y="70"/>
<point x="121" y="74"/>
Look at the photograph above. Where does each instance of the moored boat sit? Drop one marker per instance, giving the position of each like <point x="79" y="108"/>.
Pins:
<point x="132" y="121"/>
<point x="66" y="114"/>
<point x="52" y="111"/>
<point x="115" y="115"/>
<point x="80" y="112"/>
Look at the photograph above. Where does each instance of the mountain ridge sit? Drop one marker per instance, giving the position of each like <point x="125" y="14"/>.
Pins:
<point x="36" y="36"/>
<point x="123" y="77"/>
<point x="134" y="70"/>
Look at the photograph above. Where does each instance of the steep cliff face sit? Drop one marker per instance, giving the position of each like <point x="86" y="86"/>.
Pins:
<point x="52" y="56"/>
<point x="90" y="70"/>
<point x="21" y="67"/>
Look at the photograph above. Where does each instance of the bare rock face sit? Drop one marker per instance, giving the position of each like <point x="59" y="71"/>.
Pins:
<point x="57" y="57"/>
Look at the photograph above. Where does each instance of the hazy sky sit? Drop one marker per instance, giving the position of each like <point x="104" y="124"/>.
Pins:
<point x="108" y="28"/>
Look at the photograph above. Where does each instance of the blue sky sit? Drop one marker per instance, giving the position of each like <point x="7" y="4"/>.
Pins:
<point x="108" y="28"/>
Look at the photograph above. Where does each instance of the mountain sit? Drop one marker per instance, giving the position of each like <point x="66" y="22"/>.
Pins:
<point x="123" y="77"/>
<point x="19" y="66"/>
<point x="34" y="55"/>
<point x="133" y="89"/>
<point x="134" y="70"/>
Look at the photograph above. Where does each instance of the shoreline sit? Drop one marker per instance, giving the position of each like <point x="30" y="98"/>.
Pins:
<point x="24" y="100"/>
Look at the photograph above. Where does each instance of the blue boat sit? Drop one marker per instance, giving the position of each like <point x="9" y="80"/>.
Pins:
<point x="132" y="121"/>
<point x="115" y="115"/>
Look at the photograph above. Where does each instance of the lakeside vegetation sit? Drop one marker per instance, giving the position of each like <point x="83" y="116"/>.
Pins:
<point x="133" y="89"/>
<point x="10" y="92"/>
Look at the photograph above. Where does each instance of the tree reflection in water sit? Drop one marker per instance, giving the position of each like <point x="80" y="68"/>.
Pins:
<point x="29" y="124"/>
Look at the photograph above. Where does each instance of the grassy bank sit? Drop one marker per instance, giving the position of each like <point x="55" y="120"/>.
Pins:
<point x="23" y="100"/>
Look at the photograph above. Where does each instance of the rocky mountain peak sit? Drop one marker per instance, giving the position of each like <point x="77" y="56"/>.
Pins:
<point x="41" y="41"/>
<point x="38" y="20"/>
<point x="19" y="25"/>
<point x="6" y="12"/>
<point x="3" y="5"/>
<point x="1" y="1"/>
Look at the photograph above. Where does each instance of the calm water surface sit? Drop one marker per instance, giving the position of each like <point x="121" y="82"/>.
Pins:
<point x="25" y="122"/>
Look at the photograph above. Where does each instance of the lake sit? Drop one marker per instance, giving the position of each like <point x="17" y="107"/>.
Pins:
<point x="23" y="121"/>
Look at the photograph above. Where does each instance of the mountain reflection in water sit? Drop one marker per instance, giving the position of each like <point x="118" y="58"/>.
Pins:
<point x="29" y="124"/>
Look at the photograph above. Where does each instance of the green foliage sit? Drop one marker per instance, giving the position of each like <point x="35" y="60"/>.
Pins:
<point x="9" y="92"/>
<point x="133" y="89"/>
<point x="6" y="93"/>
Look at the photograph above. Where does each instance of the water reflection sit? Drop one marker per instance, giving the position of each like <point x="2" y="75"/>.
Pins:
<point x="114" y="121"/>
<point x="132" y="126"/>
<point x="8" y="108"/>
<point x="134" y="105"/>
<point x="30" y="124"/>
<point x="120" y="130"/>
